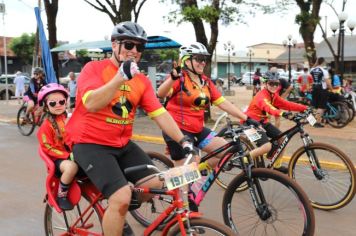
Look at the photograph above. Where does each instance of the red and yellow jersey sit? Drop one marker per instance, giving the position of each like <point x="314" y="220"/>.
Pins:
<point x="189" y="101"/>
<point x="49" y="142"/>
<point x="112" y="125"/>
<point x="264" y="103"/>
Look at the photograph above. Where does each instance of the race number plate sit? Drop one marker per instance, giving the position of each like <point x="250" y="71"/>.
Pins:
<point x="311" y="119"/>
<point x="252" y="134"/>
<point x="181" y="175"/>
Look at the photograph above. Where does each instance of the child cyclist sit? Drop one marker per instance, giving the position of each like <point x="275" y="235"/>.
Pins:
<point x="52" y="135"/>
<point x="265" y="103"/>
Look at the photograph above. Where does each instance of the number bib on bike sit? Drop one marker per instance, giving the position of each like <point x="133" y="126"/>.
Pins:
<point x="311" y="119"/>
<point x="182" y="175"/>
<point x="252" y="134"/>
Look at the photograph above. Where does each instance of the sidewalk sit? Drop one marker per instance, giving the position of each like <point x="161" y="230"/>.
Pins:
<point x="146" y="130"/>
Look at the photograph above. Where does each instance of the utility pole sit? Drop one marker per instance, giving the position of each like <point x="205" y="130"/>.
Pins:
<point x="2" y="10"/>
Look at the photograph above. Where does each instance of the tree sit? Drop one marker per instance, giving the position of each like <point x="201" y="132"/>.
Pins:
<point x="23" y="47"/>
<point x="120" y="13"/>
<point x="213" y="11"/>
<point x="51" y="7"/>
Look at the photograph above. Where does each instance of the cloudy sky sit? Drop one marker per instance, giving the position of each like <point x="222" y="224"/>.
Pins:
<point x="77" y="20"/>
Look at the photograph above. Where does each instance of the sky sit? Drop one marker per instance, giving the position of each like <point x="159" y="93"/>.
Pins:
<point x="76" y="21"/>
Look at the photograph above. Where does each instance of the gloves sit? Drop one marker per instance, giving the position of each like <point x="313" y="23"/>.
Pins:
<point x="187" y="145"/>
<point x="128" y="69"/>
<point x="253" y="122"/>
<point x="287" y="114"/>
<point x="177" y="70"/>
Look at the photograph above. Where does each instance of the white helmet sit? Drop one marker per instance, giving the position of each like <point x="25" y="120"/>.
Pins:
<point x="195" y="48"/>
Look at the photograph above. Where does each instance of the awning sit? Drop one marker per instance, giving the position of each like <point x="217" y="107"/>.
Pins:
<point x="154" y="42"/>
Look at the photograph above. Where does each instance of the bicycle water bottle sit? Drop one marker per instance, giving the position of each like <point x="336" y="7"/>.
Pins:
<point x="204" y="171"/>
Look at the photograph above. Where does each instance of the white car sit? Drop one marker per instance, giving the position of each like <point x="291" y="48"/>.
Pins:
<point x="247" y="78"/>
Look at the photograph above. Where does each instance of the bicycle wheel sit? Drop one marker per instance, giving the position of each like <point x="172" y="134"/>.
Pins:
<point x="350" y="109"/>
<point x="334" y="184"/>
<point x="232" y="168"/>
<point x="55" y="225"/>
<point x="204" y="226"/>
<point x="150" y="210"/>
<point x="26" y="125"/>
<point x="287" y="210"/>
<point x="337" y="115"/>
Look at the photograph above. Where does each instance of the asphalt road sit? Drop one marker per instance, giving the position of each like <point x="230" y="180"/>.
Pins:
<point x="22" y="189"/>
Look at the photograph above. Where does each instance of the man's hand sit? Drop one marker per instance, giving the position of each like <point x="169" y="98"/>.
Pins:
<point x="187" y="145"/>
<point x="128" y="69"/>
<point x="175" y="73"/>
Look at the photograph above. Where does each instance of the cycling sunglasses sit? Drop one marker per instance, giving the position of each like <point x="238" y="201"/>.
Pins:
<point x="54" y="103"/>
<point x="200" y="58"/>
<point x="273" y="83"/>
<point x="140" y="47"/>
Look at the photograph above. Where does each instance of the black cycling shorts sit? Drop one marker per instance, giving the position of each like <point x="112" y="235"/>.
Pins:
<point x="104" y="165"/>
<point x="320" y="98"/>
<point x="176" y="150"/>
<point x="271" y="130"/>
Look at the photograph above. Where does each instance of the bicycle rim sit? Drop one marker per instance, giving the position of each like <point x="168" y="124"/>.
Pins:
<point x="339" y="116"/>
<point x="55" y="224"/>
<point x="288" y="206"/>
<point x="203" y="226"/>
<point x="150" y="210"/>
<point x="26" y="127"/>
<point x="336" y="186"/>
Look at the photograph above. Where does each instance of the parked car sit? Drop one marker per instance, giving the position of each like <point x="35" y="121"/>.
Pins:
<point x="160" y="77"/>
<point x="11" y="85"/>
<point x="247" y="78"/>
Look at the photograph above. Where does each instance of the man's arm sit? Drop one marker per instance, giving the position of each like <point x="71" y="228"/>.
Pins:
<point x="169" y="126"/>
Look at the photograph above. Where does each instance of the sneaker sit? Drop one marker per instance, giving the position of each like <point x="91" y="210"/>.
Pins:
<point x="281" y="169"/>
<point x="64" y="203"/>
<point x="318" y="125"/>
<point x="127" y="231"/>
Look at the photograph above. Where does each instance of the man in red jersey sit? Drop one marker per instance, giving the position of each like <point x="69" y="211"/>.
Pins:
<point x="108" y="94"/>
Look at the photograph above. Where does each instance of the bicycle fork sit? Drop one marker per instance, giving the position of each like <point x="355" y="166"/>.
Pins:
<point x="312" y="157"/>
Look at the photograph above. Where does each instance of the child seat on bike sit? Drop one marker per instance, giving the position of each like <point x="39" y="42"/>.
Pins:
<point x="52" y="183"/>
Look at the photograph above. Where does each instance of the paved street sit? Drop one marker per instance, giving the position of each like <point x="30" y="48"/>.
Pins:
<point x="23" y="175"/>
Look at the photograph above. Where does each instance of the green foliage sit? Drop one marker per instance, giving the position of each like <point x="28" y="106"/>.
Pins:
<point x="81" y="53"/>
<point x="167" y="54"/>
<point x="23" y="47"/>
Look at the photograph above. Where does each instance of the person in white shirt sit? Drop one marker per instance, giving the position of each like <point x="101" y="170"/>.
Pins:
<point x="19" y="82"/>
<point x="72" y="87"/>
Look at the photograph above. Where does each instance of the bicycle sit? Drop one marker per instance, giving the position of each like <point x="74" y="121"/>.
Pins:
<point x="27" y="123"/>
<point x="324" y="172"/>
<point x="258" y="181"/>
<point x="90" y="205"/>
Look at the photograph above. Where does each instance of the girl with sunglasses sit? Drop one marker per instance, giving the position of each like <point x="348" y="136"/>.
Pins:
<point x="52" y="137"/>
<point x="268" y="102"/>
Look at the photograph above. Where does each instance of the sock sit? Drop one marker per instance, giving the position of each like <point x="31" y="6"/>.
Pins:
<point x="63" y="189"/>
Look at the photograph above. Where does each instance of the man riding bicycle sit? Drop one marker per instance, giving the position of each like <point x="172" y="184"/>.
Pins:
<point x="108" y="94"/>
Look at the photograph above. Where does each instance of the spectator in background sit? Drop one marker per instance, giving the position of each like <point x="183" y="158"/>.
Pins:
<point x="348" y="85"/>
<point x="72" y="87"/>
<point x="256" y="81"/>
<point x="321" y="84"/>
<point x="20" y="85"/>
<point x="335" y="81"/>
<point x="305" y="82"/>
<point x="220" y="85"/>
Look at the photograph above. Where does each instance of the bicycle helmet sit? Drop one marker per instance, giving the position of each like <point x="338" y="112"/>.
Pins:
<point x="38" y="70"/>
<point x="129" y="30"/>
<point x="195" y="48"/>
<point x="48" y="89"/>
<point x="268" y="76"/>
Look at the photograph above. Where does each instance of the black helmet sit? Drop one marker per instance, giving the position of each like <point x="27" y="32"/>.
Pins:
<point x="129" y="30"/>
<point x="38" y="70"/>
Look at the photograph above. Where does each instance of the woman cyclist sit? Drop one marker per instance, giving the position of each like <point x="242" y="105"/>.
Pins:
<point x="190" y="92"/>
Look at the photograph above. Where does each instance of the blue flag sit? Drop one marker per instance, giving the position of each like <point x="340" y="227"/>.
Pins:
<point x="46" y="53"/>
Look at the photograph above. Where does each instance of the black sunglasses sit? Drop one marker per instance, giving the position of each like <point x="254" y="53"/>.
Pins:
<point x="54" y="103"/>
<point x="200" y="58"/>
<point x="273" y="83"/>
<point x="130" y="45"/>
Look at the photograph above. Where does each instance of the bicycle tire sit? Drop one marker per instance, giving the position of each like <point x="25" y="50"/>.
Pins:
<point x="202" y="225"/>
<point x="21" y="123"/>
<point x="350" y="109"/>
<point x="337" y="167"/>
<point x="55" y="225"/>
<point x="341" y="118"/>
<point x="150" y="210"/>
<point x="240" y="214"/>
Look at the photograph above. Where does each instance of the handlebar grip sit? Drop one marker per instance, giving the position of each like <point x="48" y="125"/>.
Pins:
<point x="132" y="169"/>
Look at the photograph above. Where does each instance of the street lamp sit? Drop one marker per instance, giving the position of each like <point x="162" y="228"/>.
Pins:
<point x="250" y="54"/>
<point x="228" y="47"/>
<point x="2" y="10"/>
<point x="341" y="41"/>
<point x="289" y="43"/>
